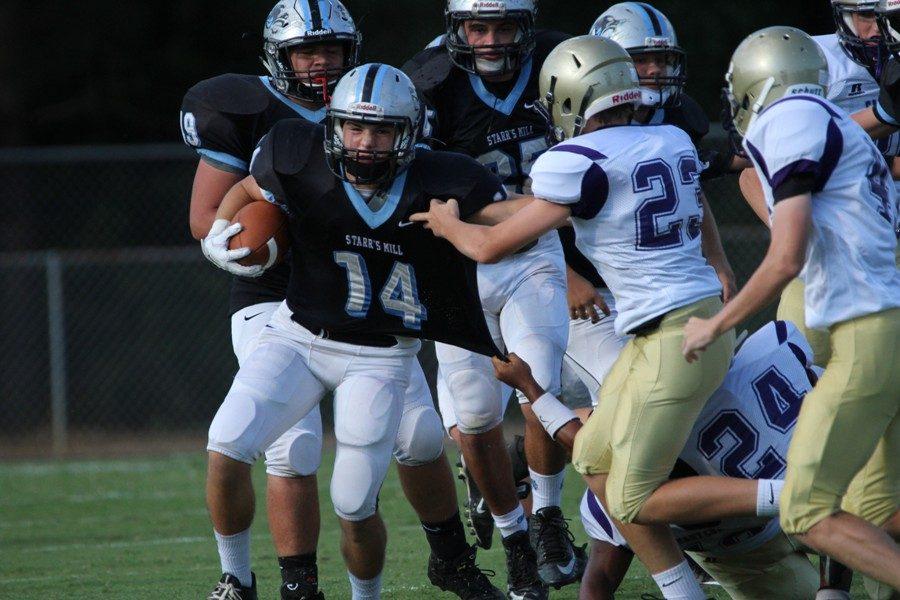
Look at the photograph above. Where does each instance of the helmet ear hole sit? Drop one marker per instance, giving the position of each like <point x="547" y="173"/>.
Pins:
<point x="567" y="106"/>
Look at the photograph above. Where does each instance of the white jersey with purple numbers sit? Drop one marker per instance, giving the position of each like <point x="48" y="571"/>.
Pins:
<point x="851" y="87"/>
<point x="635" y="201"/>
<point x="850" y="268"/>
<point x="744" y="431"/>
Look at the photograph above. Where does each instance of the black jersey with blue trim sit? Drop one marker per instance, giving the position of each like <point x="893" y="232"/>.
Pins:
<point x="886" y="110"/>
<point x="360" y="269"/>
<point x="224" y="118"/>
<point x="492" y="122"/>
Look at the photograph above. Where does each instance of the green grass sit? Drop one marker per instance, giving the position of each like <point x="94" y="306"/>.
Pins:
<point x="138" y="529"/>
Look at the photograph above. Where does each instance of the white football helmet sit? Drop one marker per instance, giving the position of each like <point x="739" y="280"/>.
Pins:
<point x="888" y="14"/>
<point x="513" y="55"/>
<point x="642" y="29"/>
<point x="298" y="22"/>
<point x="869" y="53"/>
<point x="373" y="93"/>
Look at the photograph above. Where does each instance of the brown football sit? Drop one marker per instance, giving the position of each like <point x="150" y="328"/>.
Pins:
<point x="265" y="228"/>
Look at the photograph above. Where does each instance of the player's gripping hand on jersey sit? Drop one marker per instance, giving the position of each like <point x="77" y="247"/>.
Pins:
<point x="215" y="249"/>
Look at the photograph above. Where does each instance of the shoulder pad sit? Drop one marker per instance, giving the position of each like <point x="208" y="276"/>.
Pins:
<point x="293" y="143"/>
<point x="688" y="115"/>
<point x="232" y="94"/>
<point x="429" y="68"/>
<point x="545" y="41"/>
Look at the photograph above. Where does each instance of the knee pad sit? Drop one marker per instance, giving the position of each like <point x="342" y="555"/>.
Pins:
<point x="420" y="439"/>
<point x="367" y="417"/>
<point x="545" y="357"/>
<point x="468" y="380"/>
<point x="298" y="452"/>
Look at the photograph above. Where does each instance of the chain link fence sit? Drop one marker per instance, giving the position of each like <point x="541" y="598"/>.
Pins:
<point x="113" y="325"/>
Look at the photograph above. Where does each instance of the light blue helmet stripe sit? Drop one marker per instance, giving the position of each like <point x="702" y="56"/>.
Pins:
<point x="324" y="11"/>
<point x="379" y="81"/>
<point x="307" y="13"/>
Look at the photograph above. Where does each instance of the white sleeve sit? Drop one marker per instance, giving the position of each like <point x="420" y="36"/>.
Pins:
<point x="796" y="136"/>
<point x="597" y="523"/>
<point x="557" y="176"/>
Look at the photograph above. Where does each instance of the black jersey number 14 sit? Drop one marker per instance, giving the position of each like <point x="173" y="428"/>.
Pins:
<point x="399" y="296"/>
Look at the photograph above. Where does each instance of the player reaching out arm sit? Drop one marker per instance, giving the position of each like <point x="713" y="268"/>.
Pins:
<point x="834" y="217"/>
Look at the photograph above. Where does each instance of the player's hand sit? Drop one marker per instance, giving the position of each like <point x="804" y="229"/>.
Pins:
<point x="728" y="281"/>
<point x="515" y="373"/>
<point x="698" y="335"/>
<point x="583" y="298"/>
<point x="215" y="249"/>
<point x="439" y="216"/>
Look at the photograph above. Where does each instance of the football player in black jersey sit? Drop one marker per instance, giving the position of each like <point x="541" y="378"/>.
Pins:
<point x="307" y="46"/>
<point x="351" y="240"/>
<point x="480" y="86"/>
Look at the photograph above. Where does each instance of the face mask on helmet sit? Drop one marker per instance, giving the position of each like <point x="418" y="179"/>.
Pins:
<point x="668" y="82"/>
<point x="889" y="26"/>
<point x="866" y="49"/>
<point x="489" y="59"/>
<point x="315" y="85"/>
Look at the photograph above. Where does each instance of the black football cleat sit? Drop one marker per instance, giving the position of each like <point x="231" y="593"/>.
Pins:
<point x="478" y="515"/>
<point x="523" y="582"/>
<point x="230" y="588"/>
<point x="461" y="576"/>
<point x="559" y="561"/>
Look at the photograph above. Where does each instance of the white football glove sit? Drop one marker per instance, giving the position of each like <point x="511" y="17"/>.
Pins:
<point x="215" y="249"/>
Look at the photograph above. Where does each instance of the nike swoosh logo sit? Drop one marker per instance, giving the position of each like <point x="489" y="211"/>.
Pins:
<point x="570" y="566"/>
<point x="671" y="583"/>
<point x="405" y="223"/>
<point x="253" y="316"/>
<point x="771" y="494"/>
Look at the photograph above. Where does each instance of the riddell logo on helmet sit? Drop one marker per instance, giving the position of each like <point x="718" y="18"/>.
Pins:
<point x="366" y="107"/>
<point x="892" y="4"/>
<point x="488" y="6"/>
<point x="657" y="42"/>
<point x="629" y="96"/>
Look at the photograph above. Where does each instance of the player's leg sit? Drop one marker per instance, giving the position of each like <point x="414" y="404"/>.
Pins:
<point x="428" y="484"/>
<point x="791" y="307"/>
<point x="608" y="558"/>
<point x="368" y="404"/>
<point x="292" y="495"/>
<point x="777" y="569"/>
<point x="852" y="408"/>
<point x="647" y="409"/>
<point x="534" y="324"/>
<point x="292" y="503"/>
<point x="272" y="390"/>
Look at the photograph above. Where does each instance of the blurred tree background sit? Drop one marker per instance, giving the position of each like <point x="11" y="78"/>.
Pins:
<point x="114" y="72"/>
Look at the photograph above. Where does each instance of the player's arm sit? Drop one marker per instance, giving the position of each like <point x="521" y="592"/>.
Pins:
<point x="560" y="422"/>
<point x="751" y="188"/>
<point x="210" y="186"/>
<point x="876" y="127"/>
<point x="491" y="244"/>
<point x="711" y="243"/>
<point x="782" y="263"/>
<point x="240" y="195"/>
<point x="497" y="212"/>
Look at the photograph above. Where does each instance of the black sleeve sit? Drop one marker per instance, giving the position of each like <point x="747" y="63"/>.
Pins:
<point x="689" y="116"/>
<point x="889" y="99"/>
<point x="576" y="260"/>
<point x="282" y="154"/>
<point x="454" y="175"/>
<point x="214" y="121"/>
<point x="794" y="185"/>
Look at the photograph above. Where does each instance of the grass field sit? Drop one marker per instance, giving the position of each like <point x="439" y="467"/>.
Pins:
<point x="138" y="529"/>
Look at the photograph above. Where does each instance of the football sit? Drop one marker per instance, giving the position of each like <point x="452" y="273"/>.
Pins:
<point x="265" y="232"/>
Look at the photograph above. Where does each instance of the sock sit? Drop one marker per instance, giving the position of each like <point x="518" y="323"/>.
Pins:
<point x="234" y="553"/>
<point x="365" y="589"/>
<point x="546" y="490"/>
<point x="300" y="565"/>
<point x="679" y="583"/>
<point x="512" y="522"/>
<point x="767" y="493"/>
<point x="830" y="594"/>
<point x="447" y="539"/>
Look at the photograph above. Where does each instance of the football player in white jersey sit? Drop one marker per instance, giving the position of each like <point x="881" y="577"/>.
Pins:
<point x="833" y="214"/>
<point x="632" y="194"/>
<point x="743" y="431"/>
